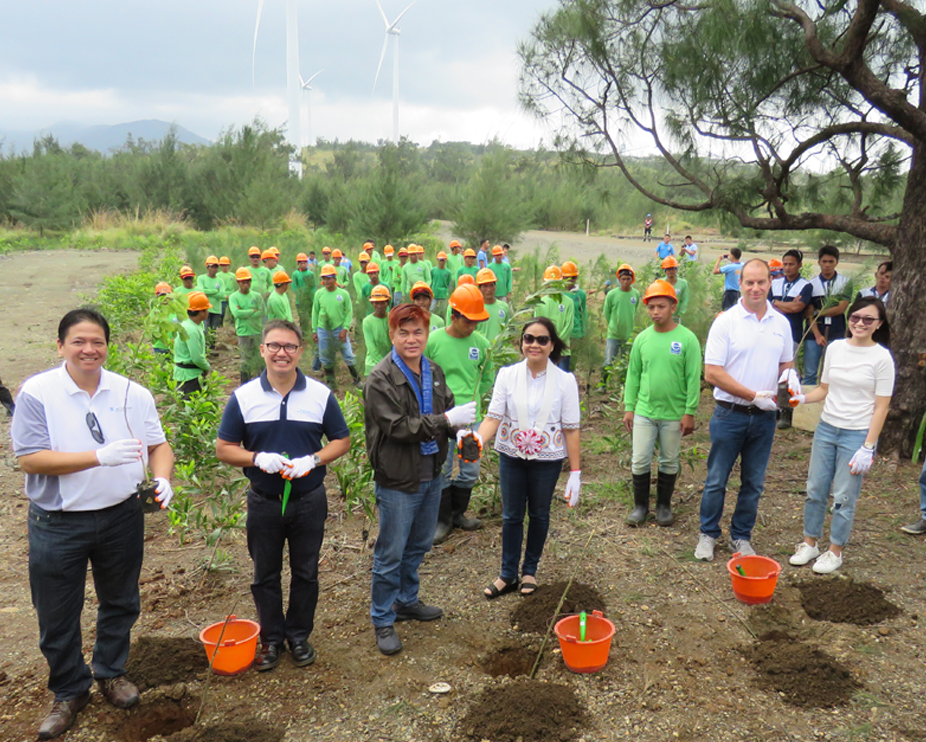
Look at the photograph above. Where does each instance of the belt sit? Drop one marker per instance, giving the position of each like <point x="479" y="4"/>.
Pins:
<point x="744" y="409"/>
<point x="190" y="366"/>
<point x="277" y="496"/>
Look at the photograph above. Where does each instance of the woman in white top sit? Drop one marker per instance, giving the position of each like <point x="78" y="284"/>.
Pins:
<point x="535" y="411"/>
<point x="856" y="388"/>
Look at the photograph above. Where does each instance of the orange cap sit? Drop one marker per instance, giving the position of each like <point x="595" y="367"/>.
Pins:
<point x="775" y="264"/>
<point x="380" y="293"/>
<point x="329" y="270"/>
<point x="669" y="262"/>
<point x="485" y="276"/>
<point x="224" y="260"/>
<point x="281" y="277"/>
<point x="302" y="258"/>
<point x="454" y="243"/>
<point x="336" y="254"/>
<point x="466" y="278"/>
<point x="403" y="251"/>
<point x="388" y="250"/>
<point x="326" y="249"/>
<point x="197" y="301"/>
<point x="186" y="272"/>
<point x="468" y="301"/>
<point x="625" y="267"/>
<point x="570" y="269"/>
<point x="441" y="255"/>
<point x="364" y="257"/>
<point x="274" y="250"/>
<point x="660" y="287"/>
<point x="267" y="254"/>
<point x="421" y="286"/>
<point x="242" y="274"/>
<point x="553" y="273"/>
<point x="212" y="260"/>
<point x="372" y="268"/>
<point x="253" y="250"/>
<point x="162" y="288"/>
<point x="497" y="250"/>
<point x="469" y="253"/>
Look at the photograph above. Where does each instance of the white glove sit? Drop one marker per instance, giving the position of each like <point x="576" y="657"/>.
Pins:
<point x="766" y="401"/>
<point x="272" y="463"/>
<point x="461" y="415"/>
<point x="573" y="485"/>
<point x="164" y="492"/>
<point x="465" y="433"/>
<point x="797" y="399"/>
<point x="300" y="467"/>
<point x="789" y="376"/>
<point x="861" y="462"/>
<point x="117" y="453"/>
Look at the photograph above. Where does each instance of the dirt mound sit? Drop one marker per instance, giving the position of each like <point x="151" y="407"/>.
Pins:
<point x="250" y="730"/>
<point x="845" y="601"/>
<point x="806" y="677"/>
<point x="524" y="710"/>
<point x="535" y="612"/>
<point x="510" y="661"/>
<point x="155" y="661"/>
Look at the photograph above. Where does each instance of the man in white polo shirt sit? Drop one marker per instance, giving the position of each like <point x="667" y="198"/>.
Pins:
<point x="85" y="438"/>
<point x="748" y="348"/>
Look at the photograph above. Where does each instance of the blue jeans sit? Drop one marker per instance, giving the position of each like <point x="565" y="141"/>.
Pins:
<point x="730" y="297"/>
<point x="468" y="471"/>
<point x="60" y="546"/>
<point x="832" y="450"/>
<point x="303" y="526"/>
<point x="613" y="348"/>
<point x="749" y="438"/>
<point x="328" y="343"/>
<point x="406" y="530"/>
<point x="565" y="363"/>
<point x="646" y="431"/>
<point x="526" y="485"/>
<point x="813" y="353"/>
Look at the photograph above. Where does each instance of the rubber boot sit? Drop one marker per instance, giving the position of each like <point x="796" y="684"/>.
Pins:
<point x="459" y="498"/>
<point x="355" y="375"/>
<point x="330" y="379"/>
<point x="640" y="512"/>
<point x="444" y="516"/>
<point x="665" y="486"/>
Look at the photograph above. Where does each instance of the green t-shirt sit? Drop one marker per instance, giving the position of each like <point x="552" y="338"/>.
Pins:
<point x="360" y="280"/>
<point x="683" y="296"/>
<point x="499" y="314"/>
<point x="190" y="351"/>
<point x="387" y="272"/>
<point x="465" y="364"/>
<point x="376" y="339"/>
<point x="436" y="323"/>
<point x="304" y="286"/>
<point x="472" y="270"/>
<point x="620" y="308"/>
<point x="664" y="374"/>
<point x="181" y="292"/>
<point x="278" y="307"/>
<point x="343" y="276"/>
<point x="502" y="273"/>
<point x="412" y="273"/>
<point x="229" y="283"/>
<point x="440" y="282"/>
<point x="321" y="264"/>
<point x="581" y="302"/>
<point x="562" y="312"/>
<point x="248" y="310"/>
<point x="332" y="310"/>
<point x="454" y="263"/>
<point x="214" y="289"/>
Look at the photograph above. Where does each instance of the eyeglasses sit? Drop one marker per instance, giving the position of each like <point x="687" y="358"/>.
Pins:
<point x="541" y="340"/>
<point x="288" y="348"/>
<point x="867" y="321"/>
<point x="95" y="430"/>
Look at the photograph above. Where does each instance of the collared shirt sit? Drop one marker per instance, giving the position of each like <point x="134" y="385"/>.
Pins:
<point x="51" y="415"/>
<point x="797" y="290"/>
<point x="873" y="292"/>
<point x="261" y="419"/>
<point x="826" y="293"/>
<point x="749" y="349"/>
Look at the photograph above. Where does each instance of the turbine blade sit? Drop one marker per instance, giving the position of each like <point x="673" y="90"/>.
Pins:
<point x="396" y="21"/>
<point x="260" y="8"/>
<point x="383" y="14"/>
<point x="381" y="58"/>
<point x="306" y="83"/>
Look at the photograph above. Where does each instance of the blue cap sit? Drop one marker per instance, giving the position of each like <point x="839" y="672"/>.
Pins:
<point x="608" y="282"/>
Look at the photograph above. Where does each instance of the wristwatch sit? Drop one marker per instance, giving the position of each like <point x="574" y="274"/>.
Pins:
<point x="868" y="446"/>
<point x="316" y="459"/>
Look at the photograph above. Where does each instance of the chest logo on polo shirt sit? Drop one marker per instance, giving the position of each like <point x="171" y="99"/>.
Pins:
<point x="675" y="348"/>
<point x="633" y="300"/>
<point x="474" y="354"/>
<point x="501" y="314"/>
<point x="339" y="298"/>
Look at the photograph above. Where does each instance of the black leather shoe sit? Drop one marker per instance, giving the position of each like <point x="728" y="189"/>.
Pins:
<point x="268" y="657"/>
<point x="303" y="653"/>
<point x="62" y="716"/>
<point x="417" y="612"/>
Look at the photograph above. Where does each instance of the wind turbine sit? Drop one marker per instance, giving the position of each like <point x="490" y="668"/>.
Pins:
<point x="293" y="90"/>
<point x="392" y="29"/>
<point x="307" y="95"/>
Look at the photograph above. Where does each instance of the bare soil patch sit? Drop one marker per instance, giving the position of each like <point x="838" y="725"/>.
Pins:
<point x="511" y="661"/>
<point x="229" y="731"/>
<point x="537" y="611"/>
<point x="157" y="719"/>
<point x="846" y="601"/>
<point x="158" y="660"/>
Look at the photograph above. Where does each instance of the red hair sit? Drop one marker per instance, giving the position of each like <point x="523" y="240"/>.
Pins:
<point x="404" y="313"/>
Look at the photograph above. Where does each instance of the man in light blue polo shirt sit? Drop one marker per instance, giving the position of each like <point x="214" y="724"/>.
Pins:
<point x="665" y="248"/>
<point x="731" y="277"/>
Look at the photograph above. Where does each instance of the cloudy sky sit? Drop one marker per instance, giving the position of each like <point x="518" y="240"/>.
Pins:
<point x="189" y="61"/>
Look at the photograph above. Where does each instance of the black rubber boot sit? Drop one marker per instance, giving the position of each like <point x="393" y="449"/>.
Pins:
<point x="330" y="379"/>
<point x="355" y="375"/>
<point x="444" y="517"/>
<point x="665" y="486"/>
<point x="459" y="499"/>
<point x="640" y="512"/>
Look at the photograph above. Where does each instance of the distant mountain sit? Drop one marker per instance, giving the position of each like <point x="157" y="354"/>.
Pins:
<point x="102" y="138"/>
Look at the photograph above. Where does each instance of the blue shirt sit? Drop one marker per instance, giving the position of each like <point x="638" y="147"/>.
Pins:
<point x="731" y="276"/>
<point x="262" y="420"/>
<point x="481" y="259"/>
<point x="664" y="250"/>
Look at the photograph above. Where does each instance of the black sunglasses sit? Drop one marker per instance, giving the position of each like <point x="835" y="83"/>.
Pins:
<point x="541" y="340"/>
<point x="95" y="430"/>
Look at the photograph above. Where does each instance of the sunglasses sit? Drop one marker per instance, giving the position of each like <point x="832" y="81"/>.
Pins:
<point x="867" y="321"/>
<point x="541" y="340"/>
<point x="95" y="430"/>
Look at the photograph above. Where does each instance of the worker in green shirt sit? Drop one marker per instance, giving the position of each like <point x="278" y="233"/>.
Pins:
<point x="369" y="247"/>
<point x="303" y="288"/>
<point x="455" y="259"/>
<point x="571" y="277"/>
<point x="670" y="266"/>
<point x="661" y="397"/>
<point x="502" y="271"/>
<point x="360" y="278"/>
<point x="341" y="272"/>
<point x="214" y="289"/>
<point x="263" y="273"/>
<point x="190" y="362"/>
<point x="388" y="267"/>
<point x="376" y="328"/>
<point x="367" y="290"/>
<point x="620" y="309"/>
<point x="229" y="284"/>
<point x="423" y="296"/>
<point x="499" y="312"/>
<point x="561" y="311"/>
<point x="462" y="354"/>
<point x="469" y="265"/>
<point x="415" y="270"/>
<point x="462" y="279"/>
<point x="441" y="280"/>
<point x="187" y="282"/>
<point x="398" y="295"/>
<point x="278" y="304"/>
<point x="247" y="307"/>
<point x="161" y="290"/>
<point x="332" y="314"/>
<point x="325" y="260"/>
<point x="259" y="281"/>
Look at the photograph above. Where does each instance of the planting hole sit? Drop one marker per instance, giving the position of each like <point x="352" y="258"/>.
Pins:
<point x="157" y="719"/>
<point x="155" y="661"/>
<point x="248" y="730"/>
<point x="845" y="601"/>
<point x="510" y="661"/>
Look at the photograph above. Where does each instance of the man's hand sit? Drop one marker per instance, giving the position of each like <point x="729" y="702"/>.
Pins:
<point x="117" y="453"/>
<point x="300" y="467"/>
<point x="687" y="425"/>
<point x="821" y="341"/>
<point x="315" y="338"/>
<point x="342" y="336"/>
<point x="766" y="401"/>
<point x="271" y="463"/>
<point x="628" y="421"/>
<point x="164" y="492"/>
<point x="461" y="415"/>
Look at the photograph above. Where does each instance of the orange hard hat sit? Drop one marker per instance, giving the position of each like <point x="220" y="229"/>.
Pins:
<point x="162" y="288"/>
<point x="197" y="301"/>
<point x="337" y="254"/>
<point x="468" y="301"/>
<point x="267" y="255"/>
<point x="253" y="250"/>
<point x="469" y="253"/>
<point x="364" y="257"/>
<point x="497" y="250"/>
<point x="187" y="272"/>
<point x="466" y="278"/>
<point x="421" y="286"/>
<point x="553" y="273"/>
<point x="274" y="250"/>
<point x="380" y="293"/>
<point x="372" y="268"/>
<point x="775" y="264"/>
<point x="454" y="243"/>
<point x="388" y="250"/>
<point x="242" y="274"/>
<point x="485" y="276"/>
<point x="669" y="262"/>
<point x="659" y="287"/>
<point x="224" y="260"/>
<point x="326" y="249"/>
<point x="281" y="277"/>
<point x="329" y="270"/>
<point x="212" y="260"/>
<point x="570" y="269"/>
<point x="302" y="258"/>
<point x="441" y="255"/>
<point x="625" y="267"/>
<point x="403" y="251"/>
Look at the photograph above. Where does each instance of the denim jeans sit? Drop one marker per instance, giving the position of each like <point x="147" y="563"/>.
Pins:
<point x="923" y="490"/>
<point x="406" y="530"/>
<point x="328" y="344"/>
<point x="526" y="486"/>
<point x="60" y="546"/>
<point x="467" y="472"/>
<point x="749" y="438"/>
<point x="645" y="434"/>
<point x="303" y="526"/>
<point x="832" y="450"/>
<point x="813" y="353"/>
<point x="613" y="349"/>
<point x="565" y="363"/>
<point x="730" y="297"/>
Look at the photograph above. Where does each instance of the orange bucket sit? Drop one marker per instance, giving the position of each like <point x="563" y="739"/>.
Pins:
<point x="759" y="583"/>
<point x="592" y="654"/>
<point x="239" y="645"/>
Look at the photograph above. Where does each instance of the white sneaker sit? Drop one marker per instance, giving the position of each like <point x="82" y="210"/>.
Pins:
<point x="827" y="563"/>
<point x="705" y="548"/>
<point x="743" y="546"/>
<point x="803" y="554"/>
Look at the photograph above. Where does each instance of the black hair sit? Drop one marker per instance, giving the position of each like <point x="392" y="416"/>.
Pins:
<point x="882" y="335"/>
<point x="796" y="254"/>
<point x="280" y="324"/>
<point x="558" y="345"/>
<point x="83" y="314"/>
<point x="830" y="250"/>
<point x="687" y="236"/>
<point x="736" y="252"/>
<point x="193" y="312"/>
<point x="888" y="265"/>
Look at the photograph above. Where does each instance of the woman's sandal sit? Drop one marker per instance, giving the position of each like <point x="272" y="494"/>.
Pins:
<point x="493" y="591"/>
<point x="528" y="588"/>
